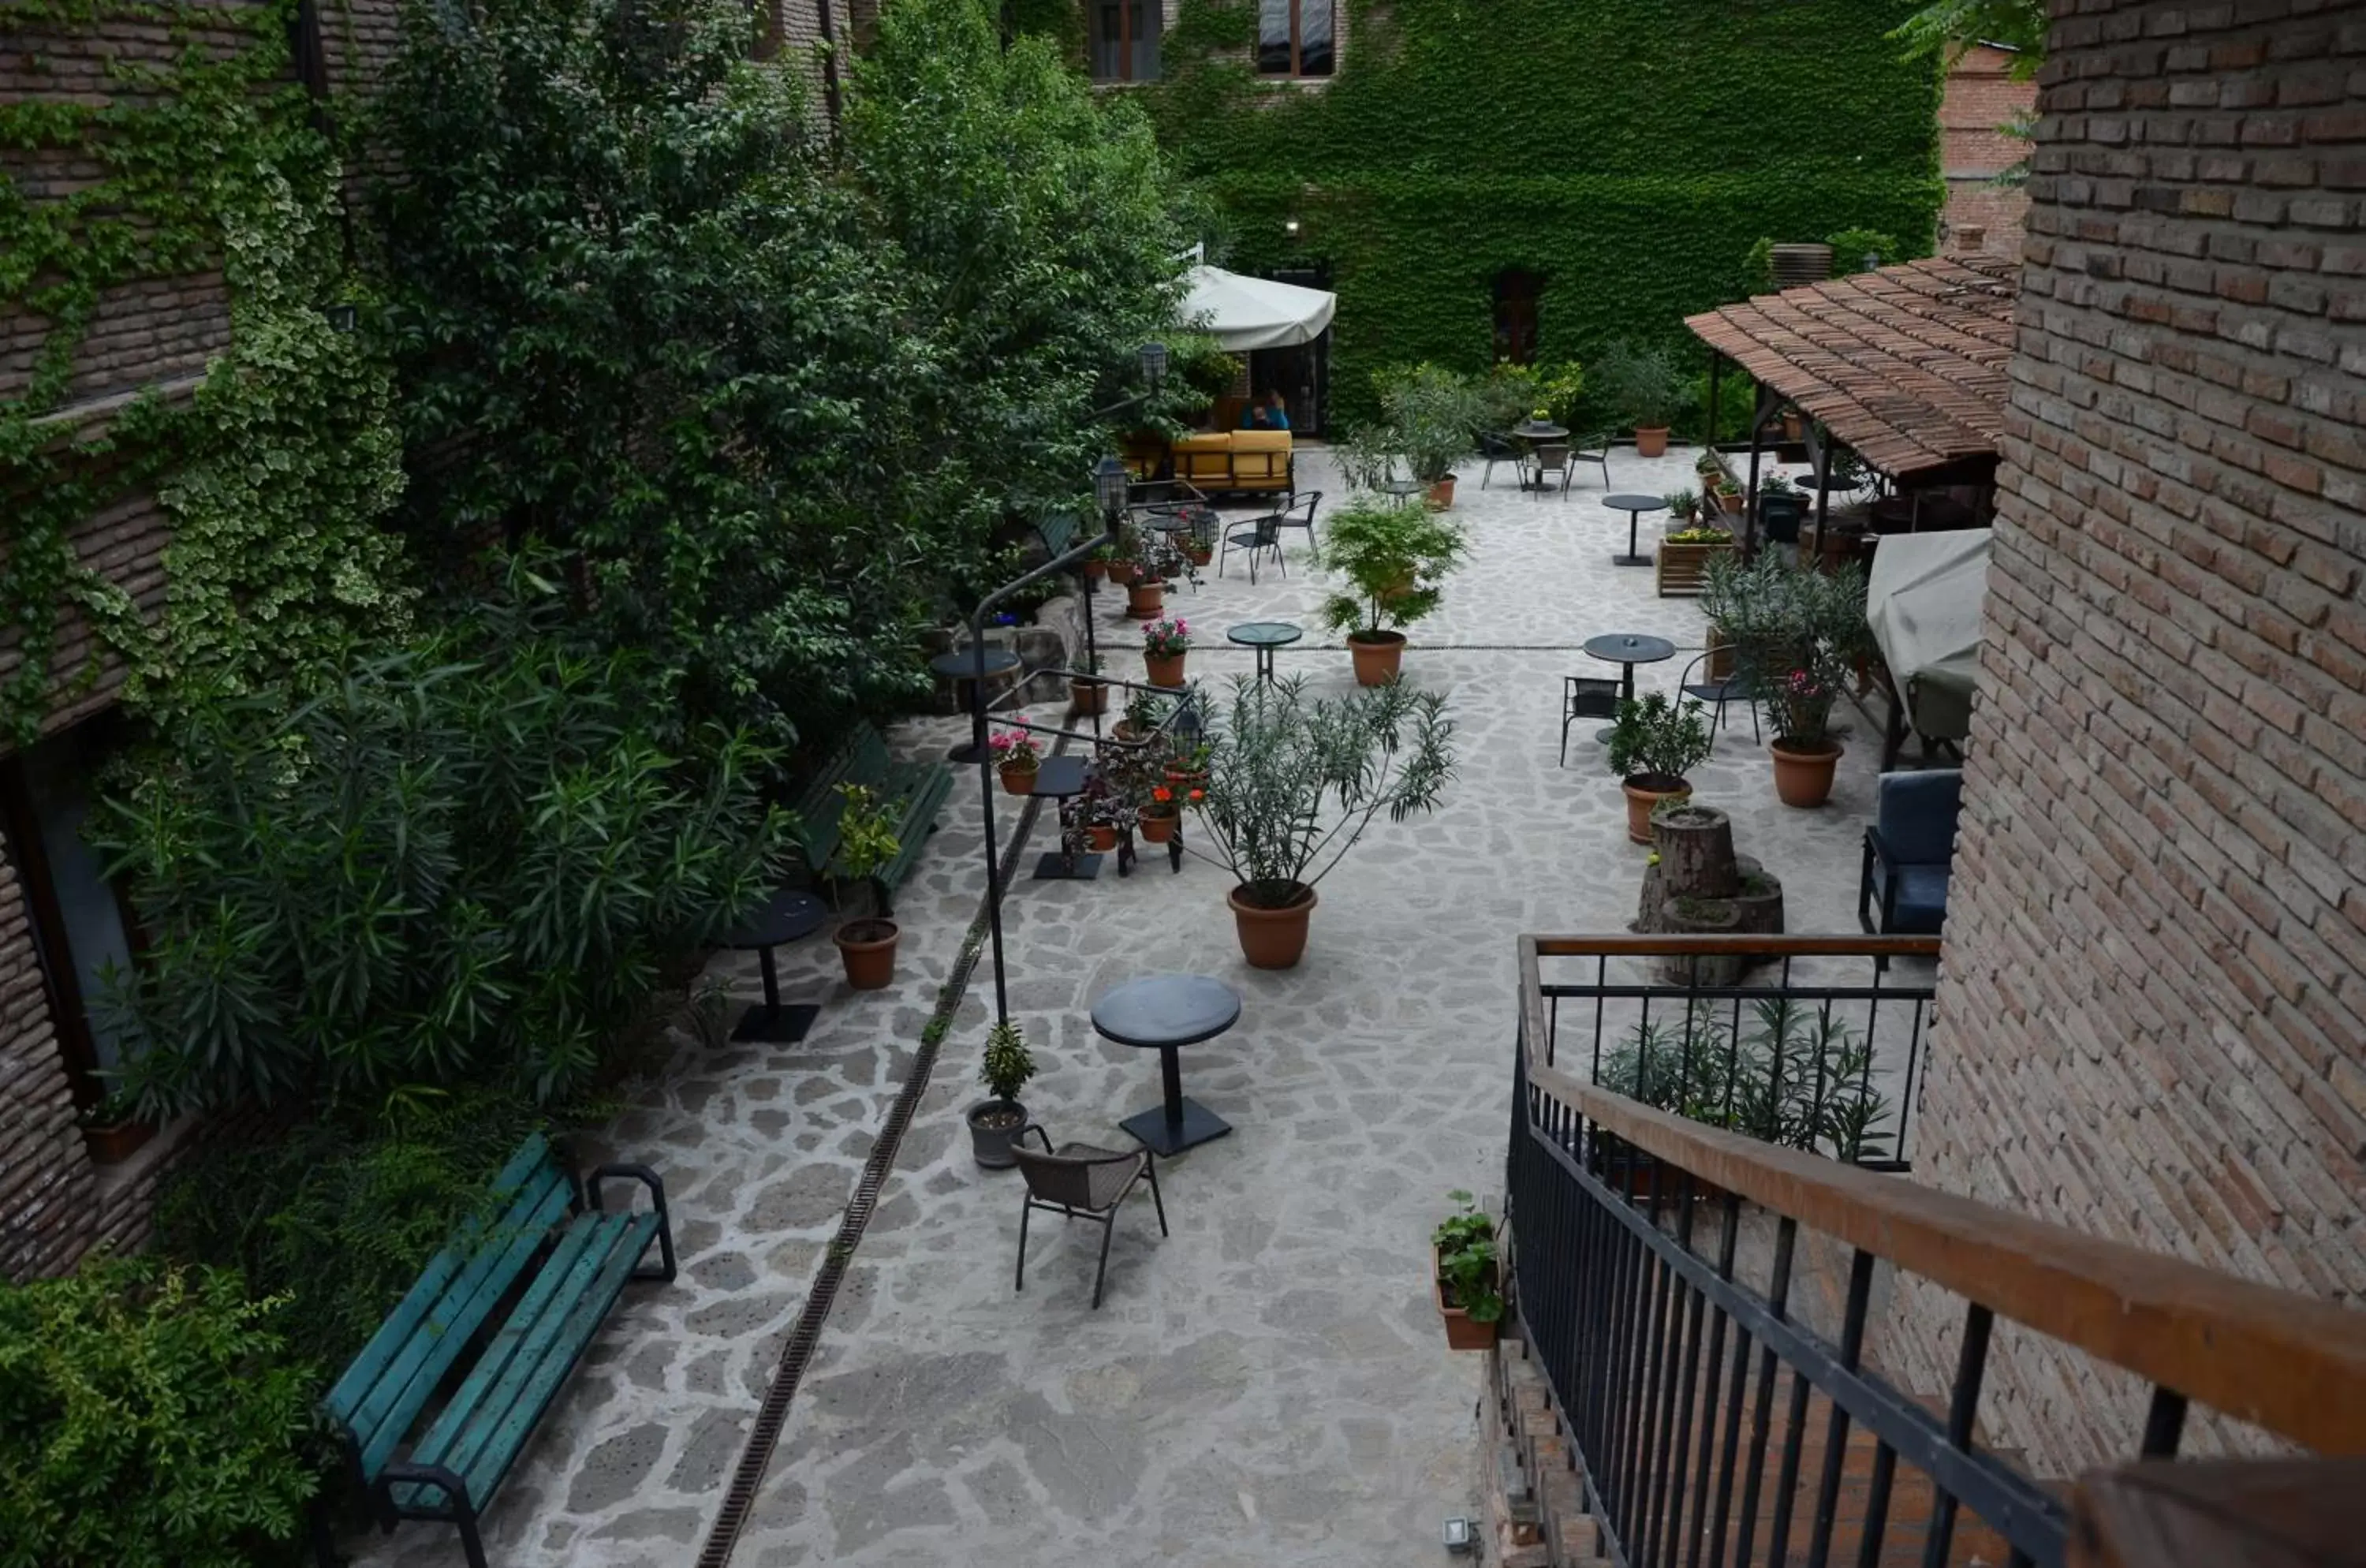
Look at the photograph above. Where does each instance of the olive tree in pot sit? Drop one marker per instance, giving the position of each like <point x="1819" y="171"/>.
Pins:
<point x="1434" y="416"/>
<point x="1648" y="388"/>
<point x="1393" y="557"/>
<point x="1292" y="785"/>
<point x="993" y="1124"/>
<point x="1653" y="744"/>
<point x="866" y="841"/>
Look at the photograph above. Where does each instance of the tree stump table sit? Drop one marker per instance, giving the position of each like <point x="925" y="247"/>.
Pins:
<point x="1697" y="885"/>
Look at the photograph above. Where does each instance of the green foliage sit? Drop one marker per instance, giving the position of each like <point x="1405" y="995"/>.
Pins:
<point x="1644" y="386"/>
<point x="1431" y="164"/>
<point x="1007" y="1064"/>
<point x="1394" y="557"/>
<point x="149" y="1416"/>
<point x="1655" y="738"/>
<point x="1850" y="246"/>
<point x="1682" y="504"/>
<point x="1431" y="416"/>
<point x="338" y="1214"/>
<point x="1512" y="394"/>
<point x="1791" y="1075"/>
<point x="866" y="836"/>
<point x="276" y="471"/>
<point x="1467" y="1263"/>
<point x="468" y="859"/>
<point x="1291" y="781"/>
<point x="1940" y="29"/>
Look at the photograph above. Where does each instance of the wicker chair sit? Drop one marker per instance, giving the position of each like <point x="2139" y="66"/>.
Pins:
<point x="1550" y="458"/>
<point x="1081" y="1181"/>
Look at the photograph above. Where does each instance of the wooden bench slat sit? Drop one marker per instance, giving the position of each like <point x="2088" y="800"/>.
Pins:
<point x="443" y="1335"/>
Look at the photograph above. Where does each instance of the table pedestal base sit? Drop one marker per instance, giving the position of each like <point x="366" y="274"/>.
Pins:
<point x="1057" y="867"/>
<point x="1630" y="560"/>
<point x="1163" y="1134"/>
<point x="776" y="1026"/>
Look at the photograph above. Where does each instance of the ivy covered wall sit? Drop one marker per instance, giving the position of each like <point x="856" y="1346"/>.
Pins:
<point x="1628" y="150"/>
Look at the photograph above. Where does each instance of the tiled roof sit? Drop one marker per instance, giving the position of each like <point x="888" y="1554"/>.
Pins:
<point x="1905" y="365"/>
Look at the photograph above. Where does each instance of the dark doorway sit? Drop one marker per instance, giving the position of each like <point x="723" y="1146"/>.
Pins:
<point x="1300" y="373"/>
<point x="1517" y="292"/>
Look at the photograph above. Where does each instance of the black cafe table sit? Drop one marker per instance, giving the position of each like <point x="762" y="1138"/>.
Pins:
<point x="1626" y="650"/>
<point x="1164" y="1013"/>
<point x="787" y="916"/>
<point x="1060" y="780"/>
<point x="1538" y="433"/>
<point x="1634" y="506"/>
<point x="963" y="665"/>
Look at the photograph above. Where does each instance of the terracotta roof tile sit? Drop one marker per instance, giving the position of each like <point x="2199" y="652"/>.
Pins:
<point x="1905" y="365"/>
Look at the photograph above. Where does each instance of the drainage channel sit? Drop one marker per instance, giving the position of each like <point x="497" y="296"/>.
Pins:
<point x="796" y="1355"/>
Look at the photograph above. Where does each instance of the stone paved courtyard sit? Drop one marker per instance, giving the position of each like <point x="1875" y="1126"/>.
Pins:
<point x="1269" y="1383"/>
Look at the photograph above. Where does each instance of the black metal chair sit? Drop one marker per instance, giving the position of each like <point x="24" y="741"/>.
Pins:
<point x="1081" y="1181"/>
<point x="1262" y="535"/>
<point x="1496" y="449"/>
<point x="1717" y="691"/>
<point x="1907" y="852"/>
<point x="1286" y="516"/>
<point x="1550" y="457"/>
<point x="1595" y="450"/>
<point x="1584" y="697"/>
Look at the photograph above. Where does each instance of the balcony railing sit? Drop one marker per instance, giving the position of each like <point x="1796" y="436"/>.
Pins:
<point x="1713" y="1426"/>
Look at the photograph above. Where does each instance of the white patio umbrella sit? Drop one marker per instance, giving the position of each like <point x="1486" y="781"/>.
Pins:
<point x="1243" y="313"/>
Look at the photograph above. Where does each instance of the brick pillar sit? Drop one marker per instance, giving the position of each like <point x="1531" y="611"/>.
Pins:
<point x="46" y="1179"/>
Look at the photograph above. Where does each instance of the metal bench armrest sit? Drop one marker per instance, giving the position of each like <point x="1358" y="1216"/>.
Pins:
<point x="648" y="1179"/>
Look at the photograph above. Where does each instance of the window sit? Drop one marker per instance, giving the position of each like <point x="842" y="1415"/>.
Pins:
<point x="1294" y="38"/>
<point x="1516" y="316"/>
<point x="1124" y="39"/>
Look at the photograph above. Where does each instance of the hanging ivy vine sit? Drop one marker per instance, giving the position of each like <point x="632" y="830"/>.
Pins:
<point x="274" y="469"/>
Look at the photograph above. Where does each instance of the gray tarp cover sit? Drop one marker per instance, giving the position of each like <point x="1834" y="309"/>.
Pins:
<point x="1923" y="604"/>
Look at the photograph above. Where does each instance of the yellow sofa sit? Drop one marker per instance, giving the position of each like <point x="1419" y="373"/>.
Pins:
<point x="1235" y="460"/>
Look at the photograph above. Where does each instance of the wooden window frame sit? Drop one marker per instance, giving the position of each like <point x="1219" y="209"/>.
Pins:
<point x="1125" y="39"/>
<point x="1297" y="72"/>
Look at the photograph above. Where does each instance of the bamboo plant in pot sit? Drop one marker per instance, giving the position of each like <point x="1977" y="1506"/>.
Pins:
<point x="1393" y="557"/>
<point x="994" y="1122"/>
<point x="1434" y="416"/>
<point x="1647" y="386"/>
<point x="866" y="841"/>
<point x="1291" y="785"/>
<point x="1653" y="744"/>
<point x="1466" y="1277"/>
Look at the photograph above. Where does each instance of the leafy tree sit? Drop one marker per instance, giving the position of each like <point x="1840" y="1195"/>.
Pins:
<point x="1944" y="28"/>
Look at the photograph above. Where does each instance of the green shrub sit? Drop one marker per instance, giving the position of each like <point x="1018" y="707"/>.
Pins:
<point x="149" y="1417"/>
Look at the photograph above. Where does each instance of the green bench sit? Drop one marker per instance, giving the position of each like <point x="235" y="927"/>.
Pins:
<point x="564" y="1261"/>
<point x="911" y="792"/>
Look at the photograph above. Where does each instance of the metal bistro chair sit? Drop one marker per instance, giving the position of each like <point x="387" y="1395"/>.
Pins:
<point x="1551" y="459"/>
<point x="1595" y="450"/>
<point x="1262" y="535"/>
<point x="1081" y="1181"/>
<point x="1717" y="692"/>
<point x="1288" y="514"/>
<point x="1497" y="450"/>
<point x="1584" y="697"/>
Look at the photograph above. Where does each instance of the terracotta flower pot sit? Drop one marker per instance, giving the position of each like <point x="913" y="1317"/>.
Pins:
<point x="1146" y="598"/>
<point x="1199" y="555"/>
<point x="1461" y="1333"/>
<point x="1166" y="669"/>
<point x="1016" y="778"/>
<point x="1731" y="500"/>
<point x="1118" y="571"/>
<point x="1441" y="493"/>
<point x="1650" y="441"/>
<point x="1157" y="829"/>
<point x="1097" y="569"/>
<point x="1100" y="837"/>
<point x="1272" y="939"/>
<point x="1803" y="774"/>
<point x="868" y="949"/>
<point x="1085" y="697"/>
<point x="1644" y="792"/>
<point x="993" y="1124"/>
<point x="1377" y="656"/>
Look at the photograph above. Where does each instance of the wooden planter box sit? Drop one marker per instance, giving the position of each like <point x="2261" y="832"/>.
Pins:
<point x="1682" y="566"/>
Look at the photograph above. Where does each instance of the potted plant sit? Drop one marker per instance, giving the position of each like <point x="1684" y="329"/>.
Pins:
<point x="1097" y="565"/>
<point x="1163" y="813"/>
<point x="1087" y="692"/>
<point x="993" y="1124"/>
<point x="1466" y="1276"/>
<point x="1800" y="709"/>
<point x="1391" y="558"/>
<point x="866" y="840"/>
<point x="1294" y="783"/>
<point x="1434" y="416"/>
<point x="1653" y="744"/>
<point x="1016" y="758"/>
<point x="1684" y="506"/>
<point x="1142" y="710"/>
<point x="113" y="1131"/>
<point x="1164" y="646"/>
<point x="1648" y="389"/>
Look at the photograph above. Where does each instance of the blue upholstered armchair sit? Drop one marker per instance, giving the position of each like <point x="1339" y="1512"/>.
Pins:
<point x="1904" y="888"/>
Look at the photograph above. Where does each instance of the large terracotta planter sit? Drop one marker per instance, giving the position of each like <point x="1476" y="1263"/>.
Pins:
<point x="1272" y="939"/>
<point x="1166" y="669"/>
<point x="1377" y="656"/>
<point x="1146" y="598"/>
<point x="1017" y="780"/>
<point x="1803" y="774"/>
<point x="1644" y="792"/>
<point x="1651" y="441"/>
<point x="1461" y="1332"/>
<point x="868" y="950"/>
<point x="1441" y="493"/>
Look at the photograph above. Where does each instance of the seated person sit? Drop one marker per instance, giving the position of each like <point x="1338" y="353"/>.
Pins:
<point x="1264" y="412"/>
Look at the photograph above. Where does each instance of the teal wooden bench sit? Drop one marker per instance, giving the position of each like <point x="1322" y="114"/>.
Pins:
<point x="564" y="1260"/>
<point x="912" y="792"/>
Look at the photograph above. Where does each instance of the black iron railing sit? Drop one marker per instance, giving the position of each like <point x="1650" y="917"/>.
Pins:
<point x="1813" y="1042"/>
<point x="1714" y="1427"/>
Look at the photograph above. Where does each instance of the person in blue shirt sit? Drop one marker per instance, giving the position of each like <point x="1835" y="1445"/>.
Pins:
<point x="1265" y="413"/>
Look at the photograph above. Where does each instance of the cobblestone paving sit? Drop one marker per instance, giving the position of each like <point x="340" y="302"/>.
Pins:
<point x="1269" y="1383"/>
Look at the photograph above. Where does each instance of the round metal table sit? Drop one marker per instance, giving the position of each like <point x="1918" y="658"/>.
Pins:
<point x="1263" y="638"/>
<point x="1162" y="1013"/>
<point x="787" y="916"/>
<point x="962" y="664"/>
<point x="1634" y="506"/>
<point x="1626" y="650"/>
<point x="1535" y="431"/>
<point x="1404" y="490"/>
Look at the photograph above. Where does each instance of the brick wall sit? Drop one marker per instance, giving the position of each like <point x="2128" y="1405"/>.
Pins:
<point x="2154" y="1000"/>
<point x="1981" y="96"/>
<point x="45" y="1177"/>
